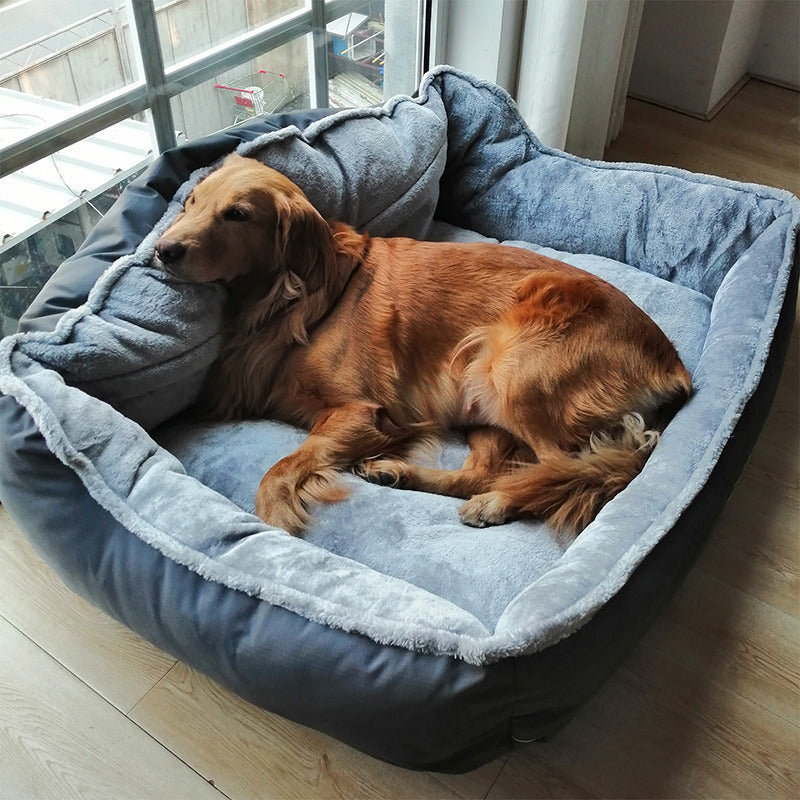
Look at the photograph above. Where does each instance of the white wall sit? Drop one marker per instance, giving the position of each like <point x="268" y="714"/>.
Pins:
<point x="776" y="55"/>
<point x="690" y="55"/>
<point x="678" y="51"/>
<point x="740" y="39"/>
<point x="482" y="38"/>
<point x="403" y="47"/>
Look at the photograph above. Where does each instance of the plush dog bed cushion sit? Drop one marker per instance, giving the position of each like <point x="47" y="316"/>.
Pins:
<point x="107" y="385"/>
<point x="421" y="539"/>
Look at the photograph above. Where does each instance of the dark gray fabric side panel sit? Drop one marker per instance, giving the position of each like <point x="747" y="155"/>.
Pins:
<point x="414" y="710"/>
<point x="554" y="683"/>
<point x="410" y="709"/>
<point x="418" y="711"/>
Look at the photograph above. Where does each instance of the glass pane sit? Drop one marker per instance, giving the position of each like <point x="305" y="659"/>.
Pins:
<point x="276" y="81"/>
<point x="189" y="27"/>
<point x="72" y="52"/>
<point x="48" y="208"/>
<point x="373" y="53"/>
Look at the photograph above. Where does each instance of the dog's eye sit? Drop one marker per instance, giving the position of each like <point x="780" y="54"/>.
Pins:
<point x="235" y="214"/>
<point x="190" y="200"/>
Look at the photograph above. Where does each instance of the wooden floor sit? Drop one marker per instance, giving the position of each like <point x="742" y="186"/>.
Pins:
<point x="707" y="706"/>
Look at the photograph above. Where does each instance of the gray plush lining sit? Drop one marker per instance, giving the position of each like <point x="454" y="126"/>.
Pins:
<point x="708" y="259"/>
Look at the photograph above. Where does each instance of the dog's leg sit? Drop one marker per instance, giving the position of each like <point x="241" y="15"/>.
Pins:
<point x="339" y="438"/>
<point x="567" y="489"/>
<point x="491" y="503"/>
<point x="492" y="451"/>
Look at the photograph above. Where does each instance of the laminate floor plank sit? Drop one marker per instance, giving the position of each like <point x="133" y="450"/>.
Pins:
<point x="106" y="655"/>
<point x="249" y="753"/>
<point x="754" y="138"/>
<point x="656" y="731"/>
<point x="59" y="739"/>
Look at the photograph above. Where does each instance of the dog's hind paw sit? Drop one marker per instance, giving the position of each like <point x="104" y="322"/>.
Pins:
<point x="384" y="472"/>
<point x="483" y="510"/>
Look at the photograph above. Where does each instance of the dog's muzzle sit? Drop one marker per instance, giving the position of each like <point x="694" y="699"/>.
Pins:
<point x="170" y="253"/>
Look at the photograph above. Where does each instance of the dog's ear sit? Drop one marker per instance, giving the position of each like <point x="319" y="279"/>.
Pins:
<point x="306" y="261"/>
<point x="304" y="242"/>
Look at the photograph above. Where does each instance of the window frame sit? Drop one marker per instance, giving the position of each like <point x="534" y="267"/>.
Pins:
<point x="159" y="84"/>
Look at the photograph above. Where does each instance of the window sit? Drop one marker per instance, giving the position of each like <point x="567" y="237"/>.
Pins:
<point x="90" y="90"/>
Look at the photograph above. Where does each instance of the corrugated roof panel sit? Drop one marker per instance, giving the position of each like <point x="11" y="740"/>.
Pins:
<point x="36" y="196"/>
<point x="18" y="218"/>
<point x="84" y="173"/>
<point x="48" y="188"/>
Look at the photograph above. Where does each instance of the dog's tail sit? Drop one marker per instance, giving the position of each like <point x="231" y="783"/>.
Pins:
<point x="568" y="490"/>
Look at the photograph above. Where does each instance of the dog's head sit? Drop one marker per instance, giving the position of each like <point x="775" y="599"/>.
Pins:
<point x="244" y="219"/>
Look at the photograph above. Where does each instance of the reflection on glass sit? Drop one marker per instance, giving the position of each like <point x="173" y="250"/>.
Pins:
<point x="79" y="51"/>
<point x="49" y="207"/>
<point x="69" y="52"/>
<point x="273" y="82"/>
<point x="188" y="27"/>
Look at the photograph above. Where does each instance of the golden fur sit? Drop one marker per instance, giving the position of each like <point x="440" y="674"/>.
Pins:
<point x="560" y="382"/>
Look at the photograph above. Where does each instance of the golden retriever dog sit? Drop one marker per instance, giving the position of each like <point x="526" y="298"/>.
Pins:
<point x="560" y="383"/>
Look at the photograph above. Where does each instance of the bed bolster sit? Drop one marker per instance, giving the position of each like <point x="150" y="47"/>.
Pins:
<point x="425" y="711"/>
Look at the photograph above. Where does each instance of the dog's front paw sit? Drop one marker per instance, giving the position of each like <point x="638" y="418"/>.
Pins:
<point x="286" y="494"/>
<point x="482" y="510"/>
<point x="384" y="472"/>
<point x="278" y="504"/>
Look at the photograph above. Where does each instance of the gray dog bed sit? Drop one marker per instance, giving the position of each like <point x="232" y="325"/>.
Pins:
<point x="390" y="625"/>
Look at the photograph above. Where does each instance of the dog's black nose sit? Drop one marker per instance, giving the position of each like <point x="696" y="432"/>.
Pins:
<point x="169" y="251"/>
